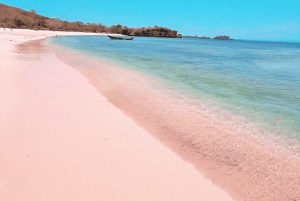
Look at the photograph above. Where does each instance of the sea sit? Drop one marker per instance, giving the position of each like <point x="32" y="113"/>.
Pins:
<point x="256" y="80"/>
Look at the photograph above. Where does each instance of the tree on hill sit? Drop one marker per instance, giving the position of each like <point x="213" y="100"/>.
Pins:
<point x="33" y="11"/>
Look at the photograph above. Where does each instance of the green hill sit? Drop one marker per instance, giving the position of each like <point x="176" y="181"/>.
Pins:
<point x="11" y="17"/>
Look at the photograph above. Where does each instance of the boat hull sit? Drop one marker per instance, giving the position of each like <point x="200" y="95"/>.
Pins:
<point x="119" y="38"/>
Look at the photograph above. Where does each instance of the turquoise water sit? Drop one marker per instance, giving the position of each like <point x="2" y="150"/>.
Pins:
<point x="257" y="80"/>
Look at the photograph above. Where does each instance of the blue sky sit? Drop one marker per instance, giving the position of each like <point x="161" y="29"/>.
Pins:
<point x="255" y="19"/>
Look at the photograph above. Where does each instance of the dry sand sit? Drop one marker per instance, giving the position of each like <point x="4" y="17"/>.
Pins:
<point x="62" y="140"/>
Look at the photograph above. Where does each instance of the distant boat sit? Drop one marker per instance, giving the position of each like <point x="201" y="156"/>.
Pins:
<point x="120" y="37"/>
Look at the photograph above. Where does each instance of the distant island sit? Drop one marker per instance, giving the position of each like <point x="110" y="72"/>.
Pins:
<point x="222" y="37"/>
<point x="204" y="37"/>
<point x="11" y="17"/>
<point x="200" y="37"/>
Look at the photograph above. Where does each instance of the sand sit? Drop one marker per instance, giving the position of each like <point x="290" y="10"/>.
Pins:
<point x="60" y="139"/>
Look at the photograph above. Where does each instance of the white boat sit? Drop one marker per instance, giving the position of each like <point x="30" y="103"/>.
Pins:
<point x="120" y="37"/>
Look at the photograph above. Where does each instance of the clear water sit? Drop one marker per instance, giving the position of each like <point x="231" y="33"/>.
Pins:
<point x="257" y="80"/>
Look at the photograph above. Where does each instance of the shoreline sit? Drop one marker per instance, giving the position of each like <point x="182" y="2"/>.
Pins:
<point x="225" y="154"/>
<point x="59" y="139"/>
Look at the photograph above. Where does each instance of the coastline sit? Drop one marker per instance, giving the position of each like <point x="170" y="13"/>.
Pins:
<point x="231" y="153"/>
<point x="62" y="140"/>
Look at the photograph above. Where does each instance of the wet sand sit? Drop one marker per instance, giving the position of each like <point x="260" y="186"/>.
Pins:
<point x="60" y="139"/>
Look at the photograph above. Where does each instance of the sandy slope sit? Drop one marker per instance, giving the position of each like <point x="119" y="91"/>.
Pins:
<point x="61" y="140"/>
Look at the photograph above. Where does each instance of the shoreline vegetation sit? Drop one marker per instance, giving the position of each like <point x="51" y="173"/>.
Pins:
<point x="15" y="18"/>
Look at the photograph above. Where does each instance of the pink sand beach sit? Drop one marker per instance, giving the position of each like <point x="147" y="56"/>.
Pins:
<point x="246" y="161"/>
<point x="62" y="140"/>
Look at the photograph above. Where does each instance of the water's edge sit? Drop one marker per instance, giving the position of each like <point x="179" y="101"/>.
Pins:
<point x="246" y="166"/>
<point x="259" y="81"/>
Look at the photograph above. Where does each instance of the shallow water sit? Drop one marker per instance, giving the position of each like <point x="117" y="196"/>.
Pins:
<point x="259" y="81"/>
